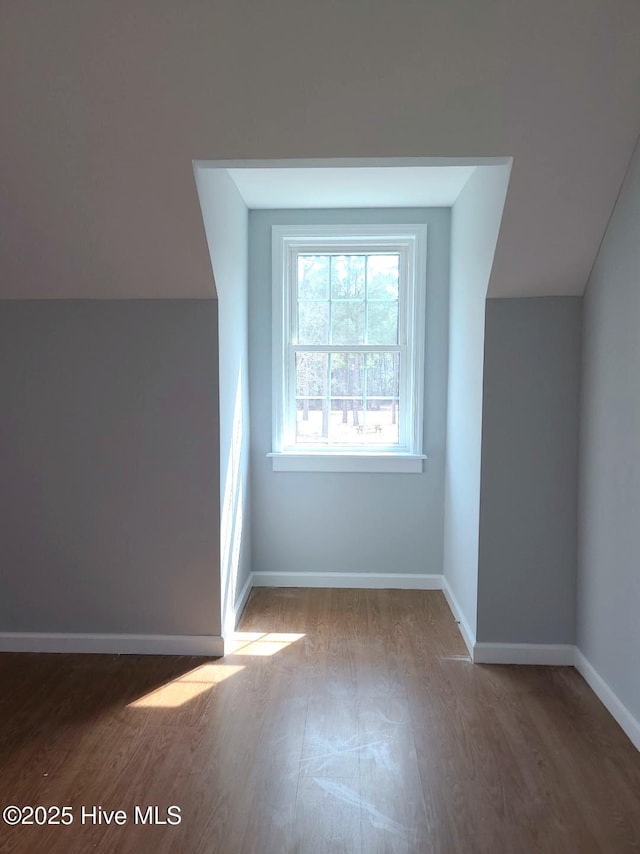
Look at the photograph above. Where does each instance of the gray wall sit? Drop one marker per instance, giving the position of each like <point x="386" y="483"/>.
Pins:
<point x="109" y="479"/>
<point x="377" y="522"/>
<point x="475" y="224"/>
<point x="609" y="495"/>
<point x="528" y="502"/>
<point x="226" y="221"/>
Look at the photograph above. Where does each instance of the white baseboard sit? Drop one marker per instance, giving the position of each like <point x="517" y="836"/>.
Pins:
<point x="465" y="629"/>
<point x="360" y="580"/>
<point x="524" y="653"/>
<point x="609" y="698"/>
<point x="209" y="645"/>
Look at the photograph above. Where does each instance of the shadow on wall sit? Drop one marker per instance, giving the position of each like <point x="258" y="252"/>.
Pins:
<point x="231" y="515"/>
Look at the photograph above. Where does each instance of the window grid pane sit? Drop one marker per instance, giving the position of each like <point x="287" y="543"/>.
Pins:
<point x="313" y="277"/>
<point x="348" y="299"/>
<point x="313" y="322"/>
<point x="348" y="399"/>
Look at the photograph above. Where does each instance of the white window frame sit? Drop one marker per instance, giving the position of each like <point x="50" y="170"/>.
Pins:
<point x="410" y="242"/>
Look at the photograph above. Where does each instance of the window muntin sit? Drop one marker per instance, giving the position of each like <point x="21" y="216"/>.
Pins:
<point x="348" y="339"/>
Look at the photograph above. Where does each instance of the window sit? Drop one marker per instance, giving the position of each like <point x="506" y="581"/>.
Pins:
<point x="348" y="354"/>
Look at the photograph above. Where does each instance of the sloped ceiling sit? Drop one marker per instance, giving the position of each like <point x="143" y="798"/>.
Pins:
<point x="105" y="105"/>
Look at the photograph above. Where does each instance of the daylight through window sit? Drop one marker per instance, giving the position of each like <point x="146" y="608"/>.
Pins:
<point x="348" y="340"/>
<point x="347" y="396"/>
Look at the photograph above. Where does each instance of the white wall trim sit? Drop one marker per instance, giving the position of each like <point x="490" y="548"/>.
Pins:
<point x="609" y="698"/>
<point x="209" y="645"/>
<point x="465" y="629"/>
<point x="524" y="653"/>
<point x="360" y="580"/>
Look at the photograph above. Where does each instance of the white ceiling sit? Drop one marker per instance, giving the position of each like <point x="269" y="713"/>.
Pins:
<point x="351" y="187"/>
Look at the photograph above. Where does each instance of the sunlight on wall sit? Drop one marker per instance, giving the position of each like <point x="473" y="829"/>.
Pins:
<point x="179" y="691"/>
<point x="231" y="520"/>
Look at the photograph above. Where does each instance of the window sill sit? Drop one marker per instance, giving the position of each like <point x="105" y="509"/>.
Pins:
<point x="347" y="462"/>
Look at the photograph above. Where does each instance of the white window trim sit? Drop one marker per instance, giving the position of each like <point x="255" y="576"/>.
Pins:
<point x="411" y="240"/>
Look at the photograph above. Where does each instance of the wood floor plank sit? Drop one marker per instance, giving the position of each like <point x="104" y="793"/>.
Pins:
<point x="340" y="721"/>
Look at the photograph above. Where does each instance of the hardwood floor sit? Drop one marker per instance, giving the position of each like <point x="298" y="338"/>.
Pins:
<point x="344" y="721"/>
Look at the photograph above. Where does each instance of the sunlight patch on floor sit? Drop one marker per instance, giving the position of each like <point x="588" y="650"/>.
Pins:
<point x="185" y="688"/>
<point x="259" y="643"/>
